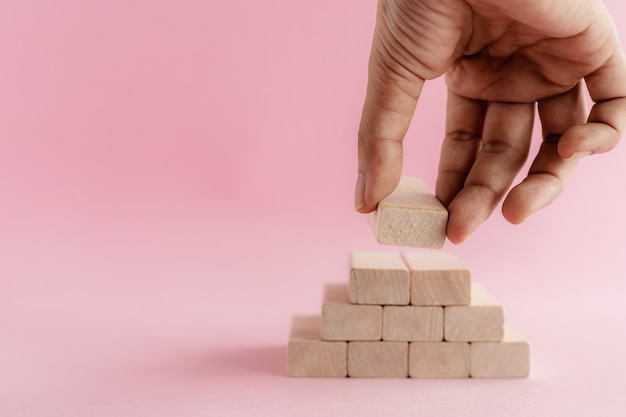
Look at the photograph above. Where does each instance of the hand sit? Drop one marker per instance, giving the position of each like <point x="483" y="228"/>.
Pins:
<point x="499" y="59"/>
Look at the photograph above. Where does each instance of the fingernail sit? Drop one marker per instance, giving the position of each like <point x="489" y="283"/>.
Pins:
<point x="359" y="193"/>
<point x="578" y="155"/>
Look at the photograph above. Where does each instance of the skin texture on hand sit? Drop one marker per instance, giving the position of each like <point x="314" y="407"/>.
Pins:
<point x="501" y="60"/>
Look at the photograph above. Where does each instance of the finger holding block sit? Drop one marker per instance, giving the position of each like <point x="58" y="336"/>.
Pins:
<point x="309" y="356"/>
<point x="410" y="216"/>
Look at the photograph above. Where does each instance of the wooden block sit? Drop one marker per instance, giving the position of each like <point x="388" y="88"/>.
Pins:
<point x="342" y="320"/>
<point x="378" y="278"/>
<point x="309" y="356"/>
<point x="480" y="321"/>
<point x="439" y="360"/>
<point x="509" y="358"/>
<point x="378" y="359"/>
<point x="412" y="323"/>
<point x="438" y="278"/>
<point x="410" y="216"/>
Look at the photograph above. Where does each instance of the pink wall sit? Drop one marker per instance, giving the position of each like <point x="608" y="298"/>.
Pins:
<point x="111" y="107"/>
<point x="211" y="102"/>
<point x="160" y="161"/>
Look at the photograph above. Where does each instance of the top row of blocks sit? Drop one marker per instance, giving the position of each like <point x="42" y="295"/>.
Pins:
<point x="424" y="279"/>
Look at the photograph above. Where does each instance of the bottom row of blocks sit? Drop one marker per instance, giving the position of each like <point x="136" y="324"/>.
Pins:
<point x="309" y="356"/>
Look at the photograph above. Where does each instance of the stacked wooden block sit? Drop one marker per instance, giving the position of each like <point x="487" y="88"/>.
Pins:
<point x="415" y="315"/>
<point x="410" y="216"/>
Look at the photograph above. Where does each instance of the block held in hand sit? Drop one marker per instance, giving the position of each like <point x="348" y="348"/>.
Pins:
<point x="410" y="216"/>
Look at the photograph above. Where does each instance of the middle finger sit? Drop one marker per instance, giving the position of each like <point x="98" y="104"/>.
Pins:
<point x="505" y="144"/>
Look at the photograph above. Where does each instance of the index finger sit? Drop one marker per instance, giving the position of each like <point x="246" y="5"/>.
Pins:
<point x="389" y="106"/>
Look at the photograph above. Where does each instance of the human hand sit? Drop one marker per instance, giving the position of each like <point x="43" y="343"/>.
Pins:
<point x="499" y="59"/>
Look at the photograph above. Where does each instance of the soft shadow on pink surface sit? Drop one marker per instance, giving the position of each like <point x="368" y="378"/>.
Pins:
<point x="231" y="361"/>
<point x="176" y="180"/>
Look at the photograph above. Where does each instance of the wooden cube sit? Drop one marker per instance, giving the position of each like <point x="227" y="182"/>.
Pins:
<point x="439" y="360"/>
<point x="410" y="216"/>
<point x="509" y="358"/>
<point x="412" y="323"/>
<point x="480" y="321"/>
<point x="378" y="359"/>
<point x="378" y="278"/>
<point x="342" y="320"/>
<point x="310" y="356"/>
<point x="438" y="278"/>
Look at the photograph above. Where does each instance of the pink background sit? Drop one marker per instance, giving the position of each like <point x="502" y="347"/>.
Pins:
<point x="176" y="182"/>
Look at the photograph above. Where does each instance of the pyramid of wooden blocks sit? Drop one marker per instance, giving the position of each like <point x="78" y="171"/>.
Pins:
<point x="407" y="315"/>
<point x="410" y="216"/>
